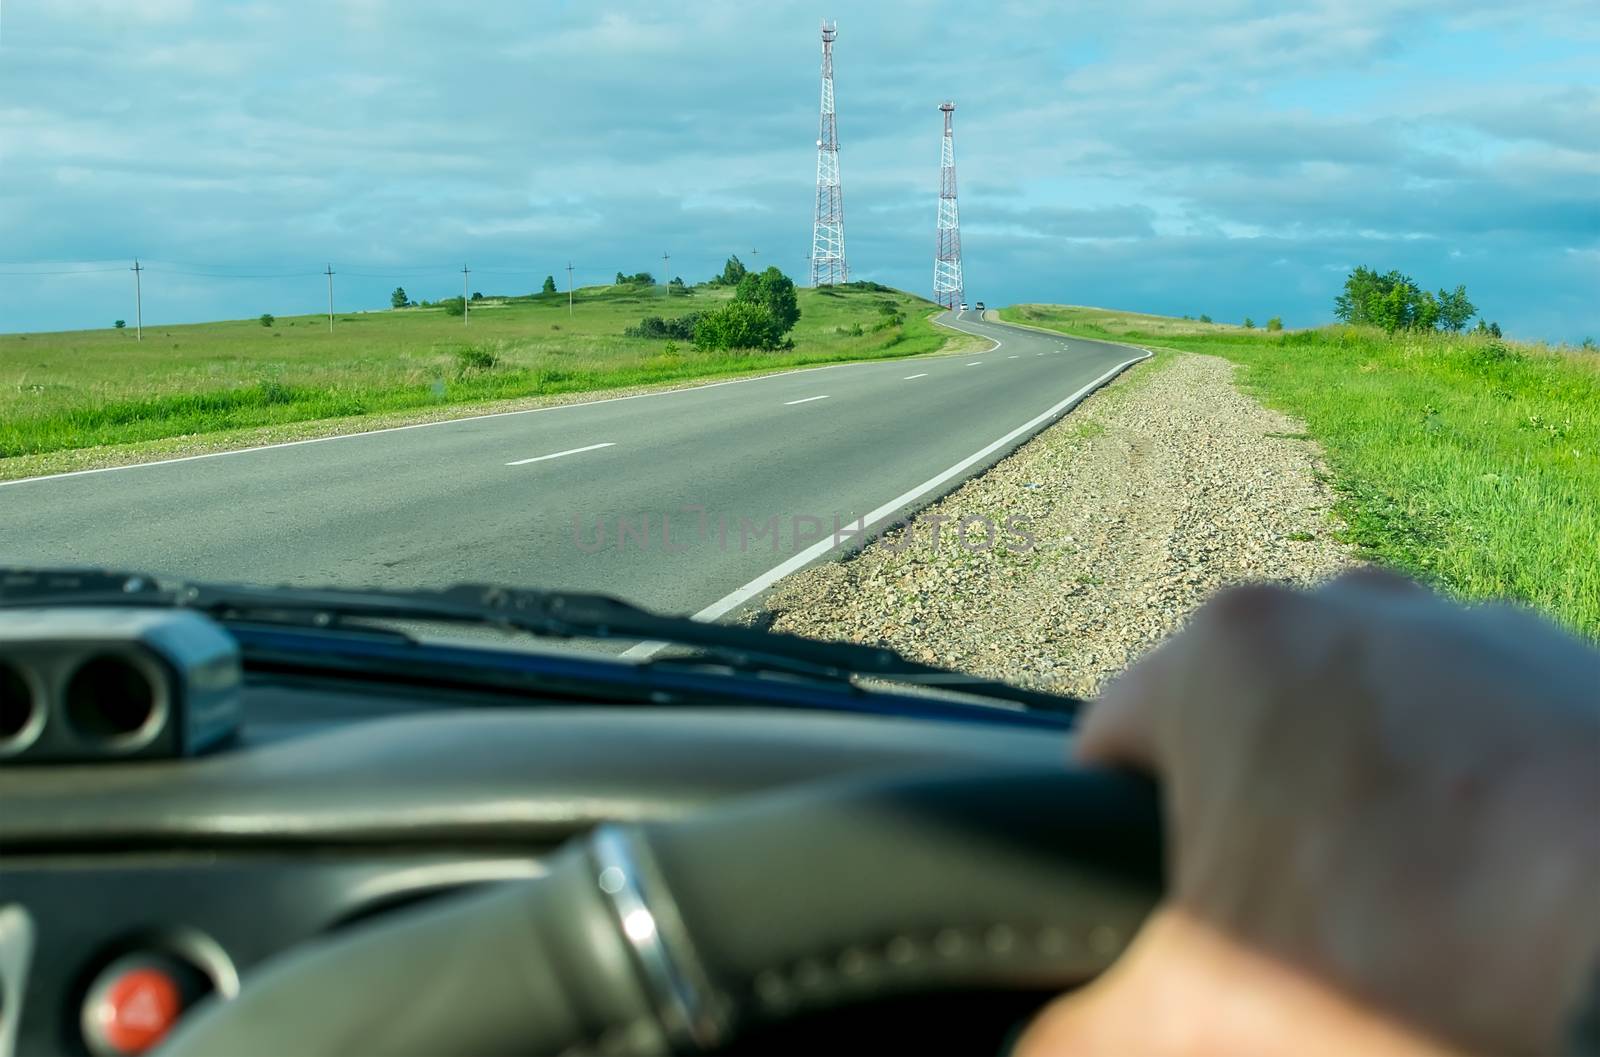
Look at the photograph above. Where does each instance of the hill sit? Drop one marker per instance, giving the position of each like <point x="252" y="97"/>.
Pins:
<point x="66" y="397"/>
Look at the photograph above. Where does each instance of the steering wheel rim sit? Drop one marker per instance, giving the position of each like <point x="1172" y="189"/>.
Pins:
<point x="677" y="936"/>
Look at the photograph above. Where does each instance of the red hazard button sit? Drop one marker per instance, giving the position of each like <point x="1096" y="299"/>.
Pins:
<point x="133" y="1009"/>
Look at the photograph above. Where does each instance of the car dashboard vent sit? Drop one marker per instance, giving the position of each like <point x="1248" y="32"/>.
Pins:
<point x="114" y="684"/>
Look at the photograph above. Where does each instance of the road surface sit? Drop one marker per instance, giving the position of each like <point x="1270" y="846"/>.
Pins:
<point x="687" y="501"/>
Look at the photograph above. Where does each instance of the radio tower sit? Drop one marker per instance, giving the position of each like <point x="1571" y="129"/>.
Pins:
<point x="827" y="230"/>
<point x="947" y="287"/>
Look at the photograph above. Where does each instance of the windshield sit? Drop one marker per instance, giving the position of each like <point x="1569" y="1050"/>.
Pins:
<point x="1002" y="339"/>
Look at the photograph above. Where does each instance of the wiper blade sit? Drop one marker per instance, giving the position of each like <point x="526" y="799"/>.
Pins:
<point x="543" y="614"/>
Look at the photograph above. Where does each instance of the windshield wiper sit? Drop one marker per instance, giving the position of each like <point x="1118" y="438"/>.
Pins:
<point x="542" y="614"/>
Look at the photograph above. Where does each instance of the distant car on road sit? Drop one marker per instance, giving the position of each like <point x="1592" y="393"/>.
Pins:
<point x="980" y="306"/>
<point x="963" y="306"/>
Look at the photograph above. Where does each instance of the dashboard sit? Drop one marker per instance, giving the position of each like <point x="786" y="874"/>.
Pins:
<point x="149" y="884"/>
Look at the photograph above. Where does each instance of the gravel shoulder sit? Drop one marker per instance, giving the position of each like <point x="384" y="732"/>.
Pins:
<point x="1164" y="486"/>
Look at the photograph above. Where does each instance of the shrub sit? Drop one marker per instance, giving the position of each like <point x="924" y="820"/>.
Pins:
<point x="737" y="325"/>
<point x="476" y="296"/>
<point x="1204" y="318"/>
<point x="681" y="327"/>
<point x="475" y="358"/>
<point x="454" y="306"/>
<point x="119" y="324"/>
<point x="1275" y="323"/>
<point x="267" y="319"/>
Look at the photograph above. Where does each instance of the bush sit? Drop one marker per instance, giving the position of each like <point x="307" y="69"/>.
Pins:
<point x="476" y="296"/>
<point x="737" y="325"/>
<point x="1204" y="318"/>
<point x="455" y="306"/>
<point x="681" y="327"/>
<point x="267" y="319"/>
<point x="1275" y="323"/>
<point x="119" y="324"/>
<point x="475" y="358"/>
<point x="636" y="279"/>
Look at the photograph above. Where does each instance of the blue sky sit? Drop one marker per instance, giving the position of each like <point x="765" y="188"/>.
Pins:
<point x="1234" y="158"/>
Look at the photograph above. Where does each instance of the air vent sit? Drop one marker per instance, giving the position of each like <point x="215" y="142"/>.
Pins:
<point x="112" y="700"/>
<point x="21" y="711"/>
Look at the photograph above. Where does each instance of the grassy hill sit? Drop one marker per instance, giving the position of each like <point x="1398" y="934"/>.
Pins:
<point x="1470" y="461"/>
<point x="65" y="392"/>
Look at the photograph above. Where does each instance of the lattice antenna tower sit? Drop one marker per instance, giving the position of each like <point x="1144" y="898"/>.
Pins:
<point x="827" y="230"/>
<point x="947" y="283"/>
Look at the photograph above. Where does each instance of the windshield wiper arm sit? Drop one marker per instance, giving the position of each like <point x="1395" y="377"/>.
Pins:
<point x="543" y="614"/>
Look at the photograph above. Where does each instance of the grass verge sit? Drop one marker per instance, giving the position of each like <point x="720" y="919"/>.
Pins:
<point x="71" y="392"/>
<point x="1471" y="462"/>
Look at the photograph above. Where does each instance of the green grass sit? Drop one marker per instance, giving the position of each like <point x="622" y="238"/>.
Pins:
<point x="1470" y="462"/>
<point x="85" y="389"/>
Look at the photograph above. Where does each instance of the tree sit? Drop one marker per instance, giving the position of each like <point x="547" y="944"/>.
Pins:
<point x="1204" y="318"/>
<point x="549" y="284"/>
<point x="454" y="306"/>
<point x="477" y="296"/>
<point x="622" y="280"/>
<point x="775" y="292"/>
<point x="1454" y="309"/>
<point x="1249" y="324"/>
<point x="398" y="299"/>
<point x="1275" y="323"/>
<point x="119" y="324"/>
<point x="267" y="319"/>
<point x="732" y="272"/>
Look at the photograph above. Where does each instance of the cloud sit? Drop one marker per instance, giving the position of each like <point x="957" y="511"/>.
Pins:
<point x="1149" y="154"/>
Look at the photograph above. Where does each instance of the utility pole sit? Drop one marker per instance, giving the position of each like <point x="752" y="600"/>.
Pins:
<point x="464" y="302"/>
<point x="569" y="289"/>
<point x="329" y="274"/>
<point x="138" y="302"/>
<point x="666" y="268"/>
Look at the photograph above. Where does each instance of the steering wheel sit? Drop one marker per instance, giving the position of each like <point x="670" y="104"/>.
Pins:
<point x="676" y="936"/>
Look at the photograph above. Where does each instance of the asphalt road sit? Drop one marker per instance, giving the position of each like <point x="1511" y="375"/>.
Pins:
<point x="664" y="499"/>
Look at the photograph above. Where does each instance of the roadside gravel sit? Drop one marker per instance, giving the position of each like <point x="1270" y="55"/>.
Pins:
<point x="1162" y="487"/>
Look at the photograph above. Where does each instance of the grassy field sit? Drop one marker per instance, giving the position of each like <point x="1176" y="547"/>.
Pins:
<point x="1471" y="462"/>
<point x="85" y="389"/>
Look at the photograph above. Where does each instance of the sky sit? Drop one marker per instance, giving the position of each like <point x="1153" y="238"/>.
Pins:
<point x="1234" y="158"/>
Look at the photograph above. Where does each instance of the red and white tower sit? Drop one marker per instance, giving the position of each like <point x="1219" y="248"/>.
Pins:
<point x="947" y="284"/>
<point x="827" y="230"/>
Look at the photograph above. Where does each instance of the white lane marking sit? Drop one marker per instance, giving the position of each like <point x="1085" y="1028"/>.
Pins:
<point x="807" y="400"/>
<point x="1012" y="356"/>
<point x="731" y="601"/>
<point x="558" y="454"/>
<point x="425" y="425"/>
<point x="908" y="377"/>
<point x="974" y="333"/>
<point x="975" y="363"/>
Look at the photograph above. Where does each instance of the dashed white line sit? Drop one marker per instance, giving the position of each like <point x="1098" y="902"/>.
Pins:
<point x="974" y="363"/>
<point x="908" y="377"/>
<point x="807" y="400"/>
<point x="559" y="454"/>
<point x="727" y="603"/>
<point x="1012" y="357"/>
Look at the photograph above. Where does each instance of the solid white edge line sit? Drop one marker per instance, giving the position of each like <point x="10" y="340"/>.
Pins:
<point x="908" y="377"/>
<point x="970" y="333"/>
<point x="807" y="400"/>
<point x="558" y="454"/>
<point x="731" y="601"/>
<point x="425" y="425"/>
